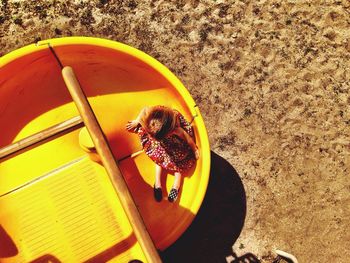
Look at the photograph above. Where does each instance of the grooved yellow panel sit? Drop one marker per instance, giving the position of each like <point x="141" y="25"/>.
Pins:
<point x="69" y="215"/>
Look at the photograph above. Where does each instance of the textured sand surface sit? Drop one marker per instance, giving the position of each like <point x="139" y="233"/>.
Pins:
<point x="272" y="81"/>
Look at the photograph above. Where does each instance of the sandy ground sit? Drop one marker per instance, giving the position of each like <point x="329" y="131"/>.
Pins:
<point x="272" y="81"/>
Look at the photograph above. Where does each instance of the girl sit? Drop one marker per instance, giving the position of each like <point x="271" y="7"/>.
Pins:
<point x="167" y="138"/>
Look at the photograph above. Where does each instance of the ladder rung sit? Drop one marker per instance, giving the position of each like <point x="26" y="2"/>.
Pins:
<point x="49" y="133"/>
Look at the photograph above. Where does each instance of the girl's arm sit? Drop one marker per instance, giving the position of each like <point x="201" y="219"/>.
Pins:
<point x="183" y="134"/>
<point x="131" y="126"/>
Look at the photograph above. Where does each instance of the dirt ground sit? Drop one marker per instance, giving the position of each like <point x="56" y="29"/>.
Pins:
<point x="271" y="79"/>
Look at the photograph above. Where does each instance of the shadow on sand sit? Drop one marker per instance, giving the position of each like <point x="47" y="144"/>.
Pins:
<point x="219" y="221"/>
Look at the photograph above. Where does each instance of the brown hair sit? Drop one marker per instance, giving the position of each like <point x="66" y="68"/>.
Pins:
<point x="159" y="121"/>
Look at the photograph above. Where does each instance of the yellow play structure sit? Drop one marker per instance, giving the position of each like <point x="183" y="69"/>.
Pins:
<point x="74" y="184"/>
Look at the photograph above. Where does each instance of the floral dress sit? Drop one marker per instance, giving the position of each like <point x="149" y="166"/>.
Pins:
<point x="172" y="152"/>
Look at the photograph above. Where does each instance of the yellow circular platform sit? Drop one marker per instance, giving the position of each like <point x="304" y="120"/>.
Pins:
<point x="119" y="81"/>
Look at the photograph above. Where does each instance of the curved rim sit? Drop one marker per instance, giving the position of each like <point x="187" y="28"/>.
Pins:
<point x="156" y="65"/>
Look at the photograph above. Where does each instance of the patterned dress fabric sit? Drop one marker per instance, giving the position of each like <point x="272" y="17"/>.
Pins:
<point x="172" y="152"/>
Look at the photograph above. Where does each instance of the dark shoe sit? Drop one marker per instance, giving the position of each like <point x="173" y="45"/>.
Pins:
<point x="173" y="195"/>
<point x="157" y="192"/>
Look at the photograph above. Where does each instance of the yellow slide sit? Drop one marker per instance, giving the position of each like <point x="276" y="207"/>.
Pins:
<point x="56" y="202"/>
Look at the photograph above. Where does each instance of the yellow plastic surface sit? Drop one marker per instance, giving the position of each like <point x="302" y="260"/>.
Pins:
<point x="119" y="81"/>
<point x="68" y="215"/>
<point x="87" y="145"/>
<point x="85" y="140"/>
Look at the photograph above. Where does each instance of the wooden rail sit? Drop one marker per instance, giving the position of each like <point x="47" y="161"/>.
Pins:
<point x="44" y="135"/>
<point x="110" y="165"/>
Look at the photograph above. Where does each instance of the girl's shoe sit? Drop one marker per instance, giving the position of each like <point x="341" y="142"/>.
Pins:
<point x="173" y="195"/>
<point x="157" y="192"/>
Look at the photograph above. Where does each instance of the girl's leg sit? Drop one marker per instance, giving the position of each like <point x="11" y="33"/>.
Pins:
<point x="157" y="188"/>
<point x="174" y="192"/>
<point x="157" y="182"/>
<point x="177" y="181"/>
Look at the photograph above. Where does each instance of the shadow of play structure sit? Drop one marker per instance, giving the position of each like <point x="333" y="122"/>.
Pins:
<point x="219" y="221"/>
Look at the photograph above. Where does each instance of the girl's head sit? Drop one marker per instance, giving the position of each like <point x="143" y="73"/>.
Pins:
<point x="159" y="121"/>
